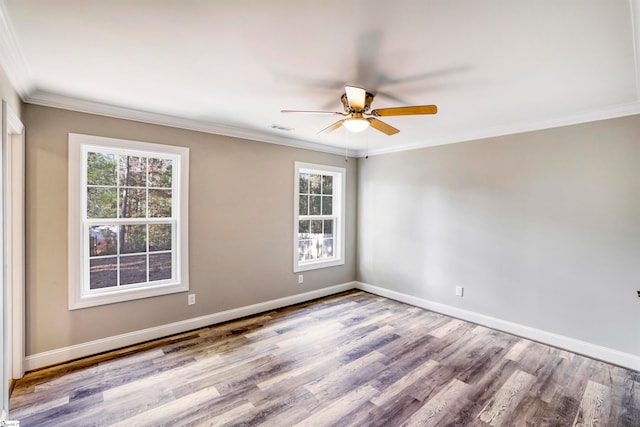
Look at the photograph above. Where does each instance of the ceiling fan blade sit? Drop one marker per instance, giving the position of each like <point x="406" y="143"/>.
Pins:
<point x="382" y="126"/>
<point x="405" y="111"/>
<point x="312" y="112"/>
<point x="355" y="97"/>
<point x="332" y="127"/>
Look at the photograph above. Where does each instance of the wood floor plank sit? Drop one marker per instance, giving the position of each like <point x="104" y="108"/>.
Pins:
<point x="351" y="359"/>
<point x="436" y="408"/>
<point x="40" y="406"/>
<point x="447" y="328"/>
<point x="161" y="413"/>
<point x="630" y="399"/>
<point x="516" y="351"/>
<point x="595" y="405"/>
<point x="164" y="380"/>
<point x="218" y="420"/>
<point x="393" y="415"/>
<point x="394" y="391"/>
<point x="507" y="398"/>
<point x="328" y="415"/>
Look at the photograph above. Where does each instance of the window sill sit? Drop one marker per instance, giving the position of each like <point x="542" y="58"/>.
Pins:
<point x="317" y="265"/>
<point x="102" y="298"/>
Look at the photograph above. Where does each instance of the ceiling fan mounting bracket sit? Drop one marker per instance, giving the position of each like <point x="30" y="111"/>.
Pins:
<point x="367" y="103"/>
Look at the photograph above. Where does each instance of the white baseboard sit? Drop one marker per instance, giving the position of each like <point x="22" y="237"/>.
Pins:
<point x="61" y="355"/>
<point x="53" y="357"/>
<point x="594" y="351"/>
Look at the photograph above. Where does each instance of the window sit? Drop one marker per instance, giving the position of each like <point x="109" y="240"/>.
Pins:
<point x="128" y="211"/>
<point x="318" y="216"/>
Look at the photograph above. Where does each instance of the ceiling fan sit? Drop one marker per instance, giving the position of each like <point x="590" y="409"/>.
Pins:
<point x="357" y="102"/>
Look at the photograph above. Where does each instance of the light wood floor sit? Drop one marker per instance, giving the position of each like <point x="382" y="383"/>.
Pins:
<point x="350" y="359"/>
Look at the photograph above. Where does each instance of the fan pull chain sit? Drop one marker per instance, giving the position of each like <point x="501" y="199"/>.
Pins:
<point x="346" y="148"/>
<point x="366" y="141"/>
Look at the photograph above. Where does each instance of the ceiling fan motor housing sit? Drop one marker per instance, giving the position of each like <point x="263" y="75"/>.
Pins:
<point x="368" y="98"/>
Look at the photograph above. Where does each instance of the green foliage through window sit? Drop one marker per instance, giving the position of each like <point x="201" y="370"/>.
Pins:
<point x="121" y="188"/>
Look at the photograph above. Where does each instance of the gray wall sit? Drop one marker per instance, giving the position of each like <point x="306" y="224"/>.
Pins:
<point x="541" y="228"/>
<point x="240" y="223"/>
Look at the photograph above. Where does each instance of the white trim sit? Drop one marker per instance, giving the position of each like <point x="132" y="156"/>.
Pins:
<point x="61" y="355"/>
<point x="47" y="99"/>
<point x="66" y="103"/>
<point x="4" y="306"/>
<point x="65" y="354"/>
<point x="14" y="178"/>
<point x="595" y="351"/>
<point x="11" y="59"/>
<point x="79" y="296"/>
<point x="612" y="112"/>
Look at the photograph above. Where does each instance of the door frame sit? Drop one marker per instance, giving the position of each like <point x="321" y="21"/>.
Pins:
<point x="13" y="165"/>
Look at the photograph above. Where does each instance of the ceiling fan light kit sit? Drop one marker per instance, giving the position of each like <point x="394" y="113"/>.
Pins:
<point x="357" y="102"/>
<point x="356" y="124"/>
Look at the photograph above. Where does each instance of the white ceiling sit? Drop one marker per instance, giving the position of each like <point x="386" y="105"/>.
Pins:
<point x="493" y="67"/>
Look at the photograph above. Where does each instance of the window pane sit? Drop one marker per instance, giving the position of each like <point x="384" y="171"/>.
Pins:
<point x="314" y="184"/>
<point x="303" y="227"/>
<point x="304" y="183"/>
<point x="133" y="171"/>
<point x="327" y="247"/>
<point x="159" y="266"/>
<point x="103" y="240"/>
<point x="328" y="228"/>
<point x="133" y="269"/>
<point x="303" y="208"/>
<point x="133" y="238"/>
<point x="314" y="247"/>
<point x="316" y="226"/>
<point x="103" y="272"/>
<point x="303" y="250"/>
<point x="101" y="169"/>
<point x="101" y="202"/>
<point x="133" y="202"/>
<point x="327" y="184"/>
<point x="160" y="203"/>
<point x="314" y="206"/>
<point x="159" y="237"/>
<point x="160" y="171"/>
<point x="327" y="205"/>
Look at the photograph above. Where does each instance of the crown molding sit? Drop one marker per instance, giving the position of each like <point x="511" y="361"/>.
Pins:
<point x="11" y="59"/>
<point x="48" y="99"/>
<point x="612" y="112"/>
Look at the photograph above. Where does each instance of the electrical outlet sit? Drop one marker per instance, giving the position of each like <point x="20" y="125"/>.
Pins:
<point x="300" y="278"/>
<point x="459" y="291"/>
<point x="191" y="299"/>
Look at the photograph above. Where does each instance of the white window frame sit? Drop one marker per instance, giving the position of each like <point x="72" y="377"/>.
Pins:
<point x="80" y="296"/>
<point x="339" y="197"/>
